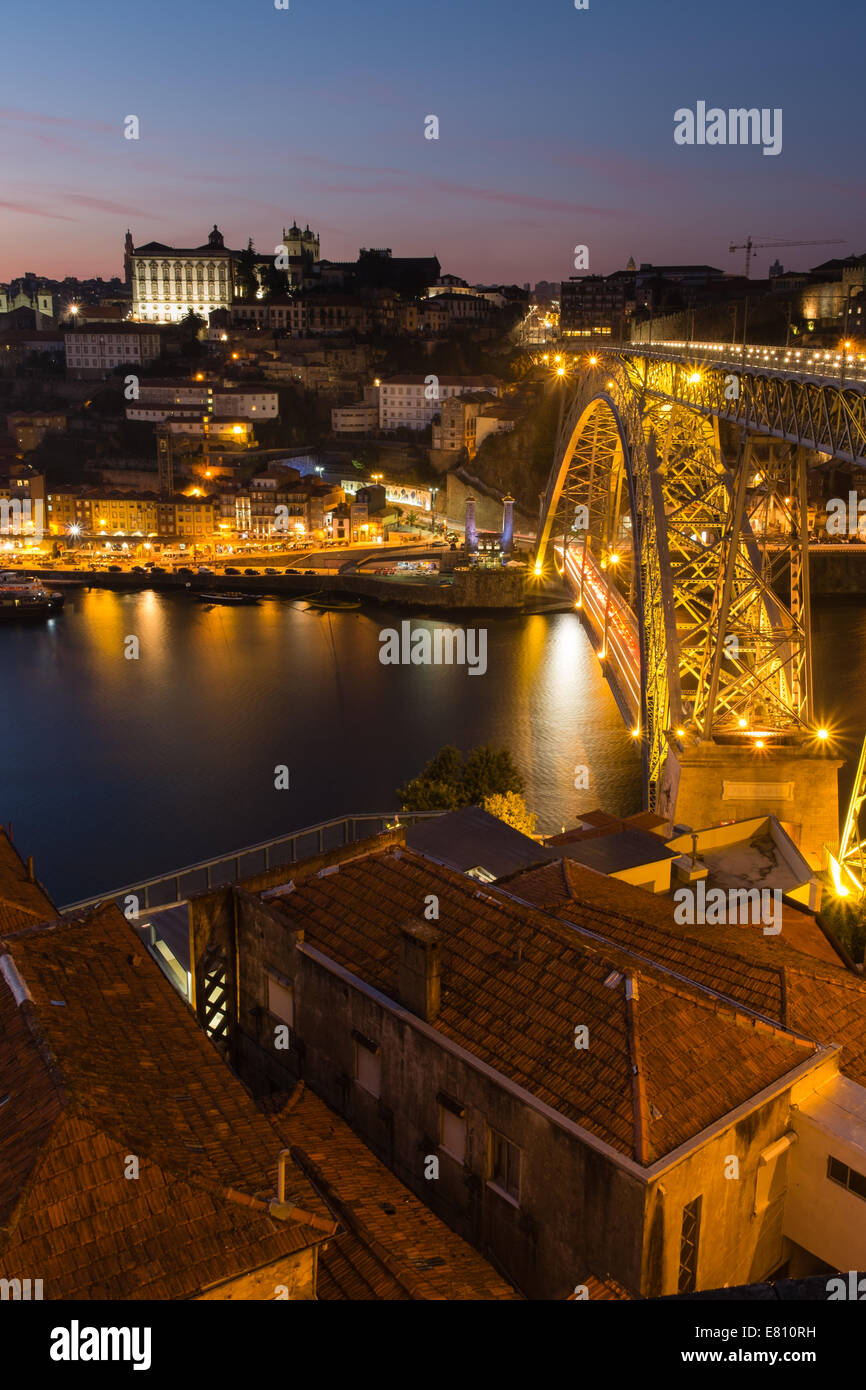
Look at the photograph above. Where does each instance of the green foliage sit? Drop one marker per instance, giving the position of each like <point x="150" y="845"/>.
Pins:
<point x="449" y="781"/>
<point x="512" y="809"/>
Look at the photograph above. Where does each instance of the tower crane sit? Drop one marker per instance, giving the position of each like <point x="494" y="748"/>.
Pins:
<point x="749" y="246"/>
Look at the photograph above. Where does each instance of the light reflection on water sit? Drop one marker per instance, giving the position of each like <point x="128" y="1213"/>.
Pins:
<point x="117" y="769"/>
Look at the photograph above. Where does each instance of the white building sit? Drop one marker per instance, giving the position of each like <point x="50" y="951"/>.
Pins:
<point x="94" y="353"/>
<point x="168" y="282"/>
<point x="410" y="402"/>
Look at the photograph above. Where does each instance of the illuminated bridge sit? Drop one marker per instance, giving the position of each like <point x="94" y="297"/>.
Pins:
<point x="705" y="634"/>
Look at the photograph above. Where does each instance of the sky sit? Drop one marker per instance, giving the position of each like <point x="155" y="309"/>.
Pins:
<point x="556" y="130"/>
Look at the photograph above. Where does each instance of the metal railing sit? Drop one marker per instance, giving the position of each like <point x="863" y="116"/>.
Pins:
<point x="168" y="890"/>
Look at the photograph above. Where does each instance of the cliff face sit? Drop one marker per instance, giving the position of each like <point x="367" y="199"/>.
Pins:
<point x="519" y="462"/>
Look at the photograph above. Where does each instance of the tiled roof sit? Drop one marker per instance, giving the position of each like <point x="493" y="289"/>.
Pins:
<point x="391" y="1245"/>
<point x="665" y="1059"/>
<point x="600" y="1290"/>
<point x="104" y="1061"/>
<point x="771" y="974"/>
<point x="22" y="900"/>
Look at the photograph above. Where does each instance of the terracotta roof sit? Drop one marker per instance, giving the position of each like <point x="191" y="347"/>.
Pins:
<point x="772" y="974"/>
<point x="391" y="1246"/>
<point x="103" y="1061"/>
<point x="21" y="901"/>
<point x="600" y="1290"/>
<point x="665" y="1058"/>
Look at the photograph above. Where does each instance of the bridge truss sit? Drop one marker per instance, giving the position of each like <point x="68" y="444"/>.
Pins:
<point x="638" y="468"/>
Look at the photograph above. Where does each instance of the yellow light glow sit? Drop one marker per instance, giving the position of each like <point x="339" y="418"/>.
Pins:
<point x="593" y="361"/>
<point x="759" y="743"/>
<point x="695" y="378"/>
<point x="614" y="559"/>
<point x="237" y="429"/>
<point x="681" y="733"/>
<point x="635" y="733"/>
<point x="560" y="371"/>
<point x="538" y="569"/>
<point x="823" y="734"/>
<point x="743" y="723"/>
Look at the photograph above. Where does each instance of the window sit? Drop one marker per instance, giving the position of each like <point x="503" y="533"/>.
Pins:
<point x="281" y="1000"/>
<point x="504" y="1166"/>
<point x="368" y="1065"/>
<point x="839" y="1172"/>
<point x="452" y="1128"/>
<point x="688" y="1275"/>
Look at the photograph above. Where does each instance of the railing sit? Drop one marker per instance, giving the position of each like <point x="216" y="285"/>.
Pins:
<point x="168" y="890"/>
<point x="829" y="363"/>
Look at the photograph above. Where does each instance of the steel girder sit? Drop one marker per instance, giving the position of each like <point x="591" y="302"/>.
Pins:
<point x="819" y="415"/>
<point x="716" y="644"/>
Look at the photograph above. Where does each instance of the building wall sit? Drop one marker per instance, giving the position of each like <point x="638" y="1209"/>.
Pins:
<point x="293" y="1278"/>
<point x="736" y="1244"/>
<point x="577" y="1209"/>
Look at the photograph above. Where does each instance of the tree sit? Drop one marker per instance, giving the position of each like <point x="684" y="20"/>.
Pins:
<point x="449" y="781"/>
<point x="248" y="280"/>
<point x="512" y="809"/>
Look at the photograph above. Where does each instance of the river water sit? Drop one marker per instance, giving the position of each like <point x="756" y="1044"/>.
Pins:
<point x="117" y="769"/>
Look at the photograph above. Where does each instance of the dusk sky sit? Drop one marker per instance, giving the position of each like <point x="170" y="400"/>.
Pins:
<point x="556" y="129"/>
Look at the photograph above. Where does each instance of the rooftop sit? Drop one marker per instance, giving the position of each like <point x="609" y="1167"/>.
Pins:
<point x="391" y="1246"/>
<point x="101" y="1059"/>
<point x="515" y="981"/>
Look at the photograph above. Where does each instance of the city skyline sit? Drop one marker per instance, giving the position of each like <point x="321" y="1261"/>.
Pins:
<point x="553" y="132"/>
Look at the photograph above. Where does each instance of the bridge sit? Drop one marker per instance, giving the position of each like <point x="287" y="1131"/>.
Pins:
<point x="655" y="530"/>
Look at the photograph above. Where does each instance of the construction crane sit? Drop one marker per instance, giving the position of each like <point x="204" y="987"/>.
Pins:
<point x="749" y="246"/>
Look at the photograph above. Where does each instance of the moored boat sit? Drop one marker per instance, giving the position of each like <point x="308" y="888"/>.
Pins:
<point x="25" y="599"/>
<point x="228" y="597"/>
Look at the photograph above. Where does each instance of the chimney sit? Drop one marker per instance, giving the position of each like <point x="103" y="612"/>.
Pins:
<point x="420" y="970"/>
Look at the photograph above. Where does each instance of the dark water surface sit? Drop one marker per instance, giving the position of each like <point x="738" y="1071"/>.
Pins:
<point x="116" y="770"/>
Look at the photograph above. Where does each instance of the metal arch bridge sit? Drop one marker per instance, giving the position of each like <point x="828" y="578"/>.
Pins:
<point x="706" y="648"/>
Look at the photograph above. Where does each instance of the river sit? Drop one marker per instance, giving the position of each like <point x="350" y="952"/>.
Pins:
<point x="117" y="769"/>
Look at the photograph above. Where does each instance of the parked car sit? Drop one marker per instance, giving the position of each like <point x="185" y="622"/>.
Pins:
<point x="254" y="572"/>
<point x="309" y="571"/>
<point x="158" y="569"/>
<point x="138" y="569"/>
<point x="184" y="569"/>
<point x="204" y="569"/>
<point x="230" y="569"/>
<point x="115" y="569"/>
<point x="271" y="571"/>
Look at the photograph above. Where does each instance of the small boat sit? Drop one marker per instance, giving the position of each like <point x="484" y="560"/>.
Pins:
<point x="24" y="599"/>
<point x="229" y="598"/>
<point x="334" y="605"/>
